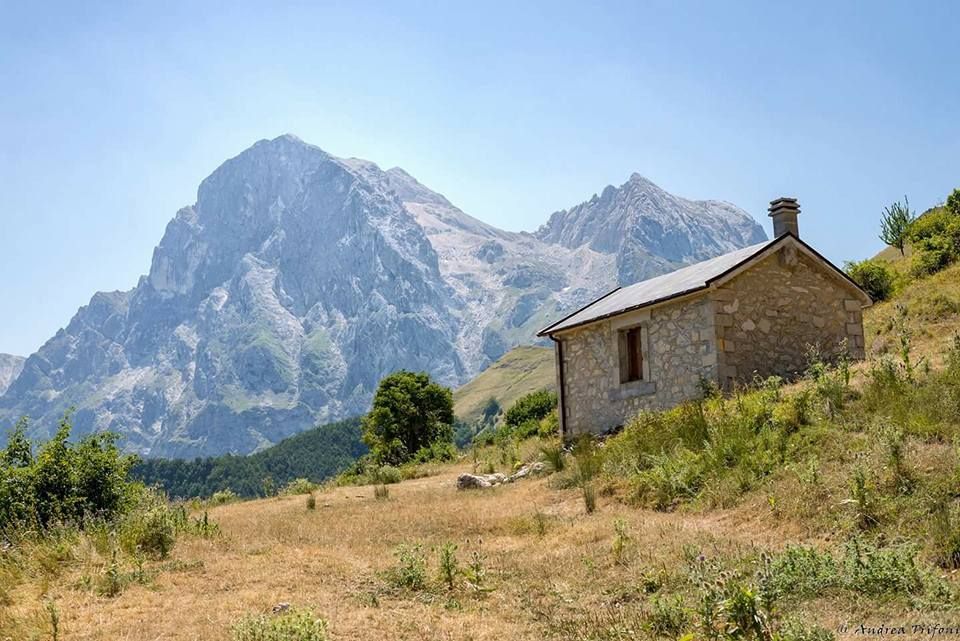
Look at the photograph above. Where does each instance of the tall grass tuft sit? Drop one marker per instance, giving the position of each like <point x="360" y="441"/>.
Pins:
<point x="554" y="456"/>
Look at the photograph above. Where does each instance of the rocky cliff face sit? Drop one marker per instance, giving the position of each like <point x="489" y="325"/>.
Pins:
<point x="650" y="231"/>
<point x="10" y="367"/>
<point x="299" y="279"/>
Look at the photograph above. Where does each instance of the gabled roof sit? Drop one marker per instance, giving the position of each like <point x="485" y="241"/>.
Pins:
<point x="686" y="280"/>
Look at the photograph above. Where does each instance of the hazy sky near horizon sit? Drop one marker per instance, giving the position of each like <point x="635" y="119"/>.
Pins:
<point x="112" y="114"/>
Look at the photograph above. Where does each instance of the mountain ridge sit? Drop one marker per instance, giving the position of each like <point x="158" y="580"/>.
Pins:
<point x="10" y="366"/>
<point x="298" y="279"/>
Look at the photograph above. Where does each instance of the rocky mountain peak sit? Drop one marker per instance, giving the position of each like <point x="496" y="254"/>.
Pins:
<point x="298" y="279"/>
<point x="650" y="230"/>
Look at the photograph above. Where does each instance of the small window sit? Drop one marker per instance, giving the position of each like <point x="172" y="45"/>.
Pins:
<point x="631" y="355"/>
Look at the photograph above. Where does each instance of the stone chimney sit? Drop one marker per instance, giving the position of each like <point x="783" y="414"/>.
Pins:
<point x="784" y="212"/>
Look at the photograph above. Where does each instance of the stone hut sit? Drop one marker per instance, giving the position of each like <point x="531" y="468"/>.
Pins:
<point x="752" y="312"/>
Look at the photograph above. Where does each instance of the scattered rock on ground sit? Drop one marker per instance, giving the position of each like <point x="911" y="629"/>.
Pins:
<point x="479" y="481"/>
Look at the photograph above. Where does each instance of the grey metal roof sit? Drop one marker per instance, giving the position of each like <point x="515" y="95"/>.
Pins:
<point x="684" y="280"/>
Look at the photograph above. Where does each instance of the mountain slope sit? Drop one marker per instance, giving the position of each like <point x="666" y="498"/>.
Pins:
<point x="10" y="367"/>
<point x="520" y="371"/>
<point x="298" y="279"/>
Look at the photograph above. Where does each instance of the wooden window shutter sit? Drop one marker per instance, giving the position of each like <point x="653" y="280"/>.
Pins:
<point x="634" y="348"/>
<point x="623" y="350"/>
<point x="630" y="348"/>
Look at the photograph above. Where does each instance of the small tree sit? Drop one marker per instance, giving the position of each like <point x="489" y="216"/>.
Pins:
<point x="953" y="202"/>
<point x="894" y="223"/>
<point x="410" y="412"/>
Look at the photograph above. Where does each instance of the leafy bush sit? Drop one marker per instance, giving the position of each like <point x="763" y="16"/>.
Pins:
<point x="150" y="531"/>
<point x="668" y="617"/>
<point x="873" y="276"/>
<point x="298" y="486"/>
<point x="410" y="412"/>
<point x="803" y="572"/>
<point x="64" y="482"/>
<point x="868" y="569"/>
<point x="436" y="451"/>
<point x="935" y="237"/>
<point x="527" y="412"/>
<point x="292" y="625"/>
<point x="549" y="425"/>
<point x="410" y="572"/>
<point x="933" y="257"/>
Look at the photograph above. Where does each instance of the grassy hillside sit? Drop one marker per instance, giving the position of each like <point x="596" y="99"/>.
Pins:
<point x="520" y="371"/>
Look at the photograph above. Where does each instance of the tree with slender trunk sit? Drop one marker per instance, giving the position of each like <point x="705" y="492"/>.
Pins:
<point x="894" y="223"/>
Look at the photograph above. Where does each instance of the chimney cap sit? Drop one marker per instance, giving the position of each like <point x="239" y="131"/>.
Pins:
<point x="784" y="202"/>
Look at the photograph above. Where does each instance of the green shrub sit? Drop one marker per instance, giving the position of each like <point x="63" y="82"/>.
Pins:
<point x="311" y="502"/>
<point x="935" y="238"/>
<point x="873" y="276"/>
<point x="871" y="570"/>
<point x="298" y="486"/>
<point x="669" y="478"/>
<point x="437" y="451"/>
<point x="803" y="572"/>
<point x="111" y="582"/>
<point x="668" y="617"/>
<point x="410" y="572"/>
<point x="621" y="541"/>
<point x="933" y="257"/>
<point x="529" y="410"/>
<point x="203" y="526"/>
<point x="549" y="425"/>
<point x="937" y="306"/>
<point x="863" y="499"/>
<point x="292" y="625"/>
<point x="65" y="482"/>
<point x="151" y="528"/>
<point x="385" y="475"/>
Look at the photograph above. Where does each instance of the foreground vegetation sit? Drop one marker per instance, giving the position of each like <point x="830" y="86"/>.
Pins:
<point x="779" y="512"/>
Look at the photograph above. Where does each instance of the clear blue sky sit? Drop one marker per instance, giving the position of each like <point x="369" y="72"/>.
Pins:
<point x="111" y="115"/>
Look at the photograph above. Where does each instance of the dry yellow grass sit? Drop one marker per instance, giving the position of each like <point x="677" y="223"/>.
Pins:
<point x="331" y="561"/>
